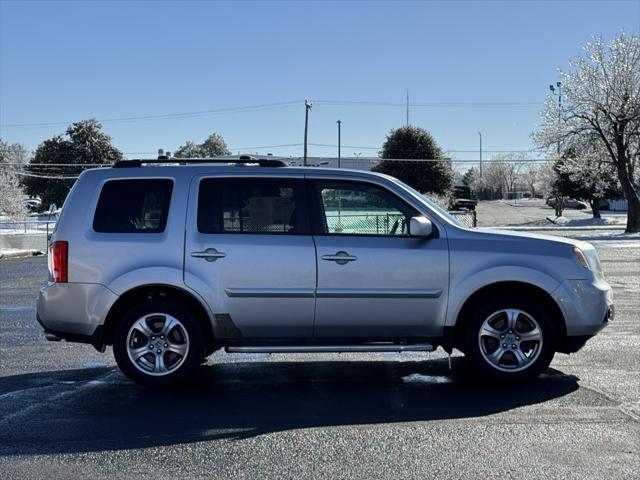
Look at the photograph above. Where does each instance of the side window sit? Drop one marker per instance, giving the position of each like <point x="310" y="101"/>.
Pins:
<point x="133" y="206"/>
<point x="351" y="208"/>
<point x="248" y="206"/>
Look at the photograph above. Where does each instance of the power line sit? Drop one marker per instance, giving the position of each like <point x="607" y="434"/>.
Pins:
<point x="165" y="116"/>
<point x="429" y="104"/>
<point x="278" y="105"/>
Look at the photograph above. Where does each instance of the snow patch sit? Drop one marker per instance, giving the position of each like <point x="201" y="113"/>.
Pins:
<point x="418" y="378"/>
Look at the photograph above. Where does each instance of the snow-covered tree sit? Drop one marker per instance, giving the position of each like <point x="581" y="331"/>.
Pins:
<point x="601" y="101"/>
<point x="12" y="157"/>
<point x="11" y="194"/>
<point x="213" y="146"/>
<point x="13" y="154"/>
<point x="583" y="174"/>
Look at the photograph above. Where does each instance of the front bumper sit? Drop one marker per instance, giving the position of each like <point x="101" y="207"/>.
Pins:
<point x="75" y="311"/>
<point x="587" y="307"/>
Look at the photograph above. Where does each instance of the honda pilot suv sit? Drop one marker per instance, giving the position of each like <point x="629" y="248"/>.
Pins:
<point x="169" y="262"/>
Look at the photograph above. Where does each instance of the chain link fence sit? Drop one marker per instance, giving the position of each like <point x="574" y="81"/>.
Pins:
<point x="25" y="235"/>
<point x="366" y="223"/>
<point x="467" y="218"/>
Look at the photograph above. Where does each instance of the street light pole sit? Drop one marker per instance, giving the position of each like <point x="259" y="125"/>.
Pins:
<point x="480" y="135"/>
<point x="553" y="92"/>
<point x="307" y="107"/>
<point x="339" y="122"/>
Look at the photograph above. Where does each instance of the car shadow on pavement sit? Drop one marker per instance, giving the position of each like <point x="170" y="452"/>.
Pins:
<point x="99" y="409"/>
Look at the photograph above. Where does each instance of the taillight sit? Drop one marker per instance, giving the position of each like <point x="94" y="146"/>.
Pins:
<point x="59" y="260"/>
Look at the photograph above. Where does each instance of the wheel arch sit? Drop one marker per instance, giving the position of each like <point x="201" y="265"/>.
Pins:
<point x="157" y="291"/>
<point x="506" y="288"/>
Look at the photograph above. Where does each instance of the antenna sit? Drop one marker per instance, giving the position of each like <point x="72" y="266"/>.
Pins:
<point x="407" y="107"/>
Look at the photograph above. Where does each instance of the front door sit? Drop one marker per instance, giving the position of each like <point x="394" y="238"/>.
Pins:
<point x="374" y="280"/>
<point x="250" y="255"/>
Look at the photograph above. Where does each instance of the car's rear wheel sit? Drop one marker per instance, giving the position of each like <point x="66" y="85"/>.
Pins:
<point x="158" y="343"/>
<point x="510" y="338"/>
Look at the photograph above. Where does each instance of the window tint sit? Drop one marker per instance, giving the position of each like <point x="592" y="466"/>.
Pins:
<point x="362" y="209"/>
<point x="133" y="206"/>
<point x="247" y="206"/>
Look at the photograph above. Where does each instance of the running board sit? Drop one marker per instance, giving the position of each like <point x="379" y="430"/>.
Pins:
<point x="374" y="347"/>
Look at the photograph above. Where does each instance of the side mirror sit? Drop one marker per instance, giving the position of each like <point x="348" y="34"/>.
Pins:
<point x="420" y="227"/>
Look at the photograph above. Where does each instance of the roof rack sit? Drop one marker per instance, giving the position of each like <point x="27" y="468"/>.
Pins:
<point x="242" y="160"/>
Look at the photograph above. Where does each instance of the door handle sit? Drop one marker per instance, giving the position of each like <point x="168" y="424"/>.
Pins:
<point x="210" y="254"/>
<point x="341" y="258"/>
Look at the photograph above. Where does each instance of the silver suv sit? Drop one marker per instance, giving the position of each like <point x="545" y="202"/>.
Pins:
<point x="170" y="262"/>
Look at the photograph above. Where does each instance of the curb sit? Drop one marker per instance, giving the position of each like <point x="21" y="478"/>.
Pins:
<point x="581" y="228"/>
<point x="21" y="253"/>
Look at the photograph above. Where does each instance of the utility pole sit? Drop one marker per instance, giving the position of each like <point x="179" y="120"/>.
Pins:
<point x="339" y="122"/>
<point x="480" y="135"/>
<point x="307" y="107"/>
<point x="407" y="107"/>
<point x="559" y="206"/>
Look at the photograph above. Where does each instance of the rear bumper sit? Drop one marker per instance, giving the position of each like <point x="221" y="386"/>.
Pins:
<point x="96" y="338"/>
<point x="75" y="311"/>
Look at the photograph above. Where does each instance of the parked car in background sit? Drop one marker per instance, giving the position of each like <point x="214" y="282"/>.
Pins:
<point x="33" y="204"/>
<point x="169" y="263"/>
<point x="569" y="203"/>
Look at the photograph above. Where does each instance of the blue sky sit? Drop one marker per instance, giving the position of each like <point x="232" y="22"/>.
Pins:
<point x="67" y="61"/>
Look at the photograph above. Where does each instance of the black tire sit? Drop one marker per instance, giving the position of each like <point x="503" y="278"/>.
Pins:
<point x="184" y="367"/>
<point x="509" y="371"/>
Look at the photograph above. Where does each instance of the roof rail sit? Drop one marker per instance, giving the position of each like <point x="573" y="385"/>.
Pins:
<point x="242" y="160"/>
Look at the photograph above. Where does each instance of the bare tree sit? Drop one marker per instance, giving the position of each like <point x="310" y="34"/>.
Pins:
<point x="501" y="173"/>
<point x="530" y="178"/>
<point x="602" y="102"/>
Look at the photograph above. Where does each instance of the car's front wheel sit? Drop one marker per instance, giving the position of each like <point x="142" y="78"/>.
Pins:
<point x="510" y="338"/>
<point x="158" y="343"/>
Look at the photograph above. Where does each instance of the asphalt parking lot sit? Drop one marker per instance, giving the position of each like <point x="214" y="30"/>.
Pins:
<point x="67" y="412"/>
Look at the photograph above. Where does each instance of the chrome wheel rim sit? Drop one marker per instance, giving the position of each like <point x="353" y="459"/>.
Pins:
<point x="157" y="344"/>
<point x="510" y="340"/>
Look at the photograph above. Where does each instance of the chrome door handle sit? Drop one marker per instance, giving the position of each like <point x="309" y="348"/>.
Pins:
<point x="340" y="257"/>
<point x="210" y="254"/>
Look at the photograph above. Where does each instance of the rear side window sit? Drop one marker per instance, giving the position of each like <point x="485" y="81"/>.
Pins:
<point x="133" y="206"/>
<point x="248" y="206"/>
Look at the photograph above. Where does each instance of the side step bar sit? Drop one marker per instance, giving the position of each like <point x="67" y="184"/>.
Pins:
<point x="374" y="347"/>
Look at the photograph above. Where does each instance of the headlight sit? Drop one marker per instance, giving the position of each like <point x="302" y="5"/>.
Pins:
<point x="581" y="258"/>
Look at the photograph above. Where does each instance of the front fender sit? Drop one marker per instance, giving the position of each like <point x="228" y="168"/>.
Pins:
<point x="461" y="292"/>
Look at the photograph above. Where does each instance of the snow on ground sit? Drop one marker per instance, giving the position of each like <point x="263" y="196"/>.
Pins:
<point x="533" y="213"/>
<point x="611" y="239"/>
<point x="612" y="220"/>
<point x="32" y="224"/>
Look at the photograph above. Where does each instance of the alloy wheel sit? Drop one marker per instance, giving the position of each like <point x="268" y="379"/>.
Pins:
<point x="510" y="340"/>
<point x="157" y="344"/>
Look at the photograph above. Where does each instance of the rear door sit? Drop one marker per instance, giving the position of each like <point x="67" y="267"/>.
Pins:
<point x="374" y="280"/>
<point x="250" y="254"/>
